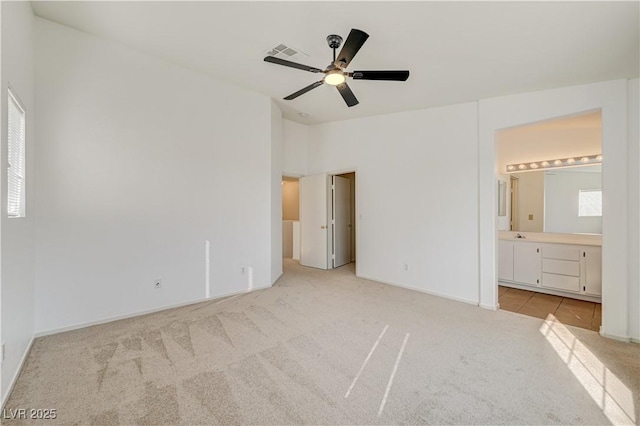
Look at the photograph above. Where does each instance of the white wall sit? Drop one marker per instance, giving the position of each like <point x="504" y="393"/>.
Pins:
<point x="407" y="212"/>
<point x="573" y="136"/>
<point x="561" y="194"/>
<point x="295" y="140"/>
<point x="141" y="162"/>
<point x="17" y="240"/>
<point x="276" y="192"/>
<point x="515" y="110"/>
<point x="634" y="208"/>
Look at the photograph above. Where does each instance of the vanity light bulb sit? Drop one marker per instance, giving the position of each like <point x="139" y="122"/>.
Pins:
<point x="522" y="167"/>
<point x="585" y="159"/>
<point x="557" y="163"/>
<point x="545" y="164"/>
<point x="511" y="168"/>
<point x="570" y="161"/>
<point x="599" y="157"/>
<point x="533" y="165"/>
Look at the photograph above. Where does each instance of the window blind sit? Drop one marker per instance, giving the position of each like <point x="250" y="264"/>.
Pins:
<point x="15" y="156"/>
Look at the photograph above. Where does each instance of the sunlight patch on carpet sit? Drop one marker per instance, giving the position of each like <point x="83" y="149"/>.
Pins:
<point x="612" y="396"/>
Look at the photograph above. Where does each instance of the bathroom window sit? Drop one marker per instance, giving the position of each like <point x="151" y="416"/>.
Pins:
<point x="15" y="157"/>
<point x="590" y="202"/>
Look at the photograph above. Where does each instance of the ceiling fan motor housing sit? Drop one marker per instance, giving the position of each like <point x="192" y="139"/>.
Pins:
<point x="334" y="41"/>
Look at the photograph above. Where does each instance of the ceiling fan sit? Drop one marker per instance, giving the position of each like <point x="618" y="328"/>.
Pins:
<point x="335" y="74"/>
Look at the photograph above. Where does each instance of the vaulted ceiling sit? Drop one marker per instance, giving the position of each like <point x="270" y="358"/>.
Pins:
<point x="456" y="51"/>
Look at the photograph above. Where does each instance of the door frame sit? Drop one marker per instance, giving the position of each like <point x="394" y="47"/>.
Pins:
<point x="514" y="183"/>
<point x="509" y="111"/>
<point x="356" y="240"/>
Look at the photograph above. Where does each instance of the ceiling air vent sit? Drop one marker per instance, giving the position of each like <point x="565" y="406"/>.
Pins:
<point x="289" y="53"/>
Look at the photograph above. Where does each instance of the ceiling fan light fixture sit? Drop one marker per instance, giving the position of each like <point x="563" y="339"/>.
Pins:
<point x="334" y="78"/>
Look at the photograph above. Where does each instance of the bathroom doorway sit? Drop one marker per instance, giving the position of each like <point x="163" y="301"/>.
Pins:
<point x="549" y="246"/>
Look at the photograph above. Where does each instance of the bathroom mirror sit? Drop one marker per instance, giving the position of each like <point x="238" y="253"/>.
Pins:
<point x="562" y="200"/>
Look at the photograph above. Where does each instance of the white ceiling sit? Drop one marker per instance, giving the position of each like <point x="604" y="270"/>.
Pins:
<point x="456" y="51"/>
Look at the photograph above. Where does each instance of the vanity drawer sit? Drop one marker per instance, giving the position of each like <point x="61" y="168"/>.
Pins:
<point x="561" y="282"/>
<point x="560" y="252"/>
<point x="564" y="267"/>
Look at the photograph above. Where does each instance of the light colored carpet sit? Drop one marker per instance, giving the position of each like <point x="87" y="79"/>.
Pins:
<point x="289" y="354"/>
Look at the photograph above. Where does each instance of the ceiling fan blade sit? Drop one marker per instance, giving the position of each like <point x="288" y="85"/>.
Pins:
<point x="347" y="94"/>
<point x="305" y="90"/>
<point x="354" y="42"/>
<point x="279" y="61"/>
<point x="380" y="75"/>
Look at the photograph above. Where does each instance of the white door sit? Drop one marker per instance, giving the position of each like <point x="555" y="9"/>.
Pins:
<point x="505" y="260"/>
<point x="593" y="270"/>
<point x="314" y="193"/>
<point x="527" y="263"/>
<point x="341" y="221"/>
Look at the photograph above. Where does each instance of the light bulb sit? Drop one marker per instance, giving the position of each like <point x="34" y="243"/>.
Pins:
<point x="585" y="159"/>
<point x="334" y="78"/>
<point x="522" y="167"/>
<point x="570" y="161"/>
<point x="511" y="168"/>
<point x="533" y="165"/>
<point x="599" y="157"/>
<point x="545" y="164"/>
<point x="557" y="163"/>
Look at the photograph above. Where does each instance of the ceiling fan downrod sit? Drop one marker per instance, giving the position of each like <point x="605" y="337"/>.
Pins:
<point x="334" y="42"/>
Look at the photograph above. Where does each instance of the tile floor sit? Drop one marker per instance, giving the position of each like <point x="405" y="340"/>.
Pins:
<point x="568" y="311"/>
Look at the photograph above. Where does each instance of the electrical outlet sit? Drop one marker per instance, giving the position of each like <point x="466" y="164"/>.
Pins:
<point x="157" y="283"/>
<point x="243" y="270"/>
<point x="406" y="266"/>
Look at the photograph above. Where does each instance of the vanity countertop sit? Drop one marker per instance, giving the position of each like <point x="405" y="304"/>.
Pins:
<point x="548" y="237"/>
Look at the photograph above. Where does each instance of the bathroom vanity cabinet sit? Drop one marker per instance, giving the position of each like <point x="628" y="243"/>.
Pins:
<point x="570" y="270"/>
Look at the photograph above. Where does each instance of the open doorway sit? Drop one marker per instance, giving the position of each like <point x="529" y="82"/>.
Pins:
<point x="327" y="220"/>
<point x="290" y="218"/>
<point x="343" y="219"/>
<point x="550" y="237"/>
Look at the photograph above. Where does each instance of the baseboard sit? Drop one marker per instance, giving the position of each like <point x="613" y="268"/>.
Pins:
<point x="276" y="280"/>
<point x="634" y="340"/>
<point x="489" y="307"/>
<point x="432" y="293"/>
<point x="14" y="379"/>
<point x="614" y="337"/>
<point x="145" y="312"/>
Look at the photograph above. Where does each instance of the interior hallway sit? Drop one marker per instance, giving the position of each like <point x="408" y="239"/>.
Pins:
<point x="295" y="353"/>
